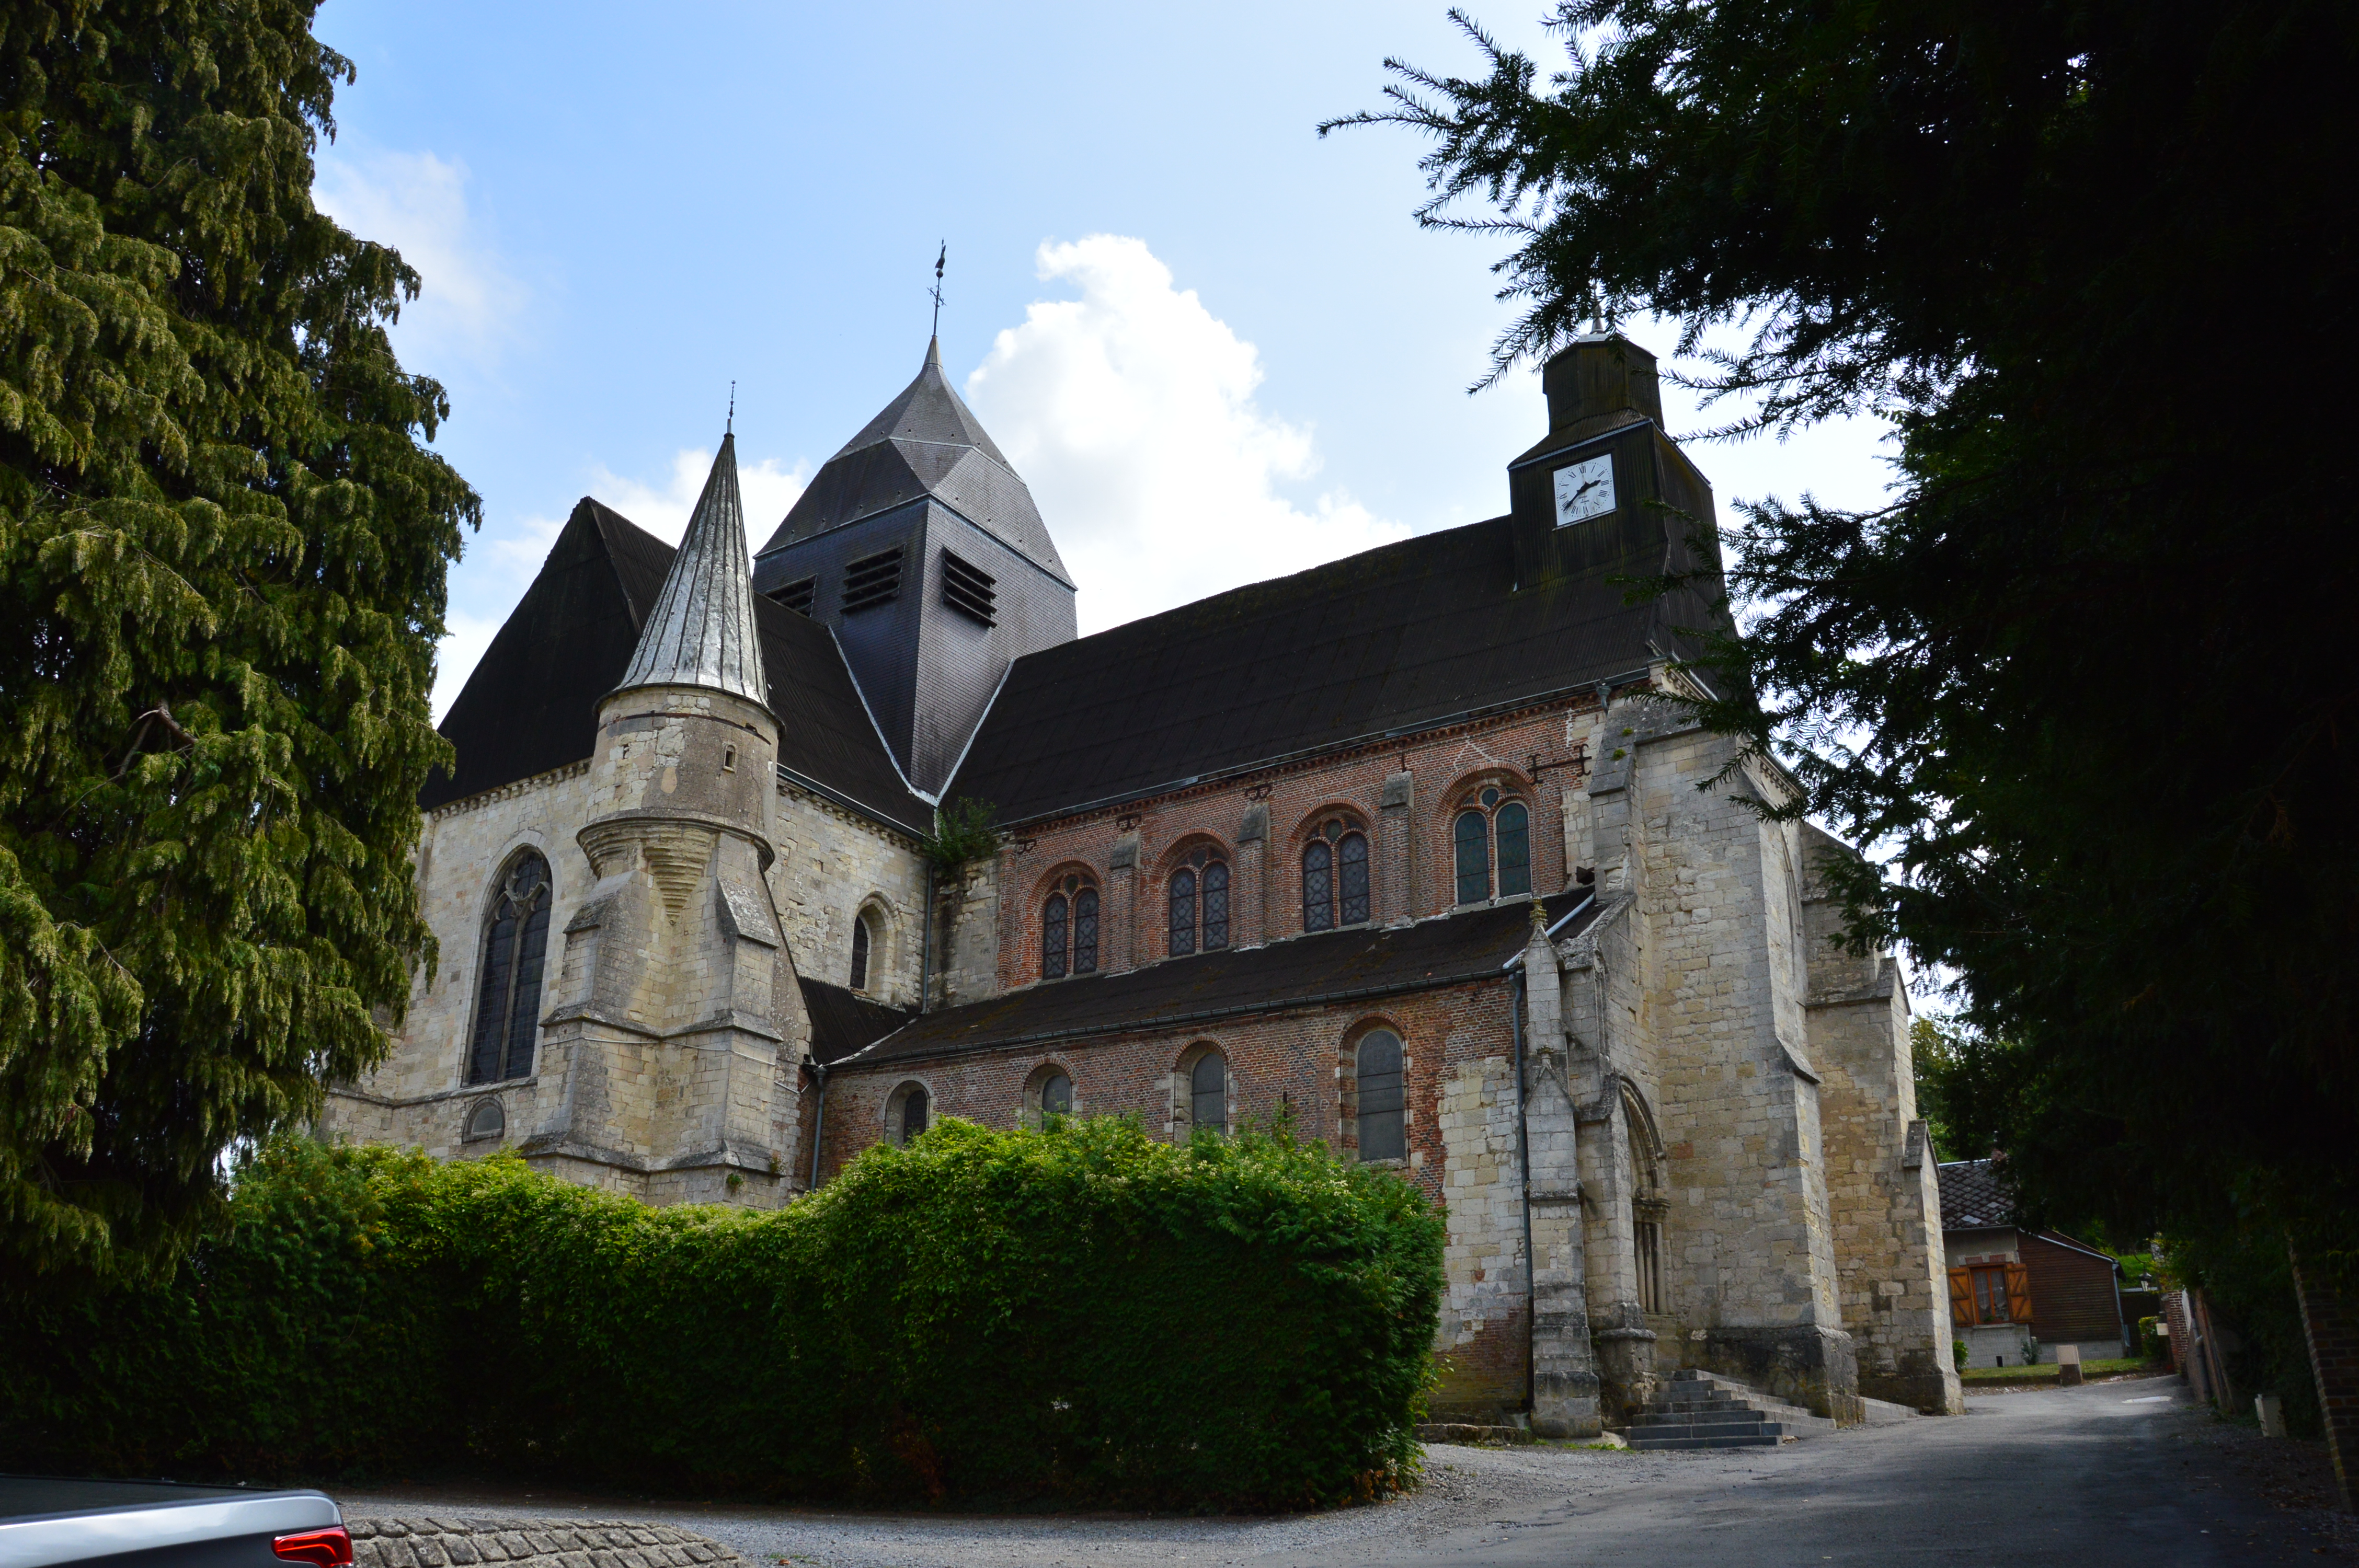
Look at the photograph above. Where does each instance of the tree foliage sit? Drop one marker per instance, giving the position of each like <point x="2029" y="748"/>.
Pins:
<point x="2089" y="677"/>
<point x="1079" y="1312"/>
<point x="223" y="547"/>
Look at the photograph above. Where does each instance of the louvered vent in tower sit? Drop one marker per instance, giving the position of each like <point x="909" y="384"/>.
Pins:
<point x="796" y="596"/>
<point x="873" y="580"/>
<point x="969" y="590"/>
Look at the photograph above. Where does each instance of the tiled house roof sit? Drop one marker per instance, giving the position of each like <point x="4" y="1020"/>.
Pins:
<point x="1972" y="1198"/>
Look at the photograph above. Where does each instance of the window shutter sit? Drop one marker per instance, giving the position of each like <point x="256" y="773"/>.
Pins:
<point x="2018" y="1293"/>
<point x="1961" y="1297"/>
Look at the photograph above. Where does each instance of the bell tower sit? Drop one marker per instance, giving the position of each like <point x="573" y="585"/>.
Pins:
<point x="677" y="996"/>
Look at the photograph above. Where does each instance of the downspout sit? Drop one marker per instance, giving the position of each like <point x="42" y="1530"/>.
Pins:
<point x="819" y="1122"/>
<point x="1523" y="1164"/>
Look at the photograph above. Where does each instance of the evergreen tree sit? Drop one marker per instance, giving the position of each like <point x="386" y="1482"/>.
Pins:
<point x="2091" y="674"/>
<point x="222" y="550"/>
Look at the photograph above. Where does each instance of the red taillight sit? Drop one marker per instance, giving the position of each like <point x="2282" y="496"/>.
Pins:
<point x="330" y="1548"/>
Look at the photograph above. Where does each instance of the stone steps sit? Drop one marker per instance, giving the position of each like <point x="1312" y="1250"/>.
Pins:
<point x="1701" y="1410"/>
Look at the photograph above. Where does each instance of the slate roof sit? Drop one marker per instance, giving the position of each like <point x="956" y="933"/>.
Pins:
<point x="1331" y="966"/>
<point x="925" y="442"/>
<point x="532" y="705"/>
<point x="700" y="632"/>
<point x="843" y="1020"/>
<point x="1393" y="638"/>
<point x="1972" y="1196"/>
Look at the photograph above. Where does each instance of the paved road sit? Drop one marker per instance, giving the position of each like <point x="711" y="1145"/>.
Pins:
<point x="2113" y="1473"/>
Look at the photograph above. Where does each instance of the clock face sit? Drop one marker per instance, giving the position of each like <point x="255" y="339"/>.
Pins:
<point x="1583" y="490"/>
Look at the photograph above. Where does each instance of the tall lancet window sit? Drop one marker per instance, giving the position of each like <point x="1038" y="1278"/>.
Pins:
<point x="507" y="996"/>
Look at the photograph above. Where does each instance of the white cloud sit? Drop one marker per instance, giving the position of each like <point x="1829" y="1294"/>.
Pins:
<point x="468" y="304"/>
<point x="500" y="566"/>
<point x="1130" y="412"/>
<point x="662" y="509"/>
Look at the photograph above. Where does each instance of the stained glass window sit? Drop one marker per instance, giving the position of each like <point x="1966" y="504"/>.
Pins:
<point x="1057" y="1095"/>
<point x="1383" y="1135"/>
<point x="1513" y="826"/>
<point x="1474" y="835"/>
<point x="1216" y="905"/>
<point x="508" y="997"/>
<point x="1318" y="886"/>
<point x="1085" y="932"/>
<point x="1352" y="854"/>
<point x="860" y="952"/>
<point x="1052" y="939"/>
<point x="1183" y="911"/>
<point x="914" y="1106"/>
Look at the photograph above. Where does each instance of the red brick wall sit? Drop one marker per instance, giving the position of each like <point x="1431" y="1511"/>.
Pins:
<point x="1296" y="1060"/>
<point x="2330" y="1321"/>
<point x="1449" y="767"/>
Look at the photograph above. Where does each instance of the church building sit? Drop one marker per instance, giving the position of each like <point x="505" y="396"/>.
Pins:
<point x="1416" y="849"/>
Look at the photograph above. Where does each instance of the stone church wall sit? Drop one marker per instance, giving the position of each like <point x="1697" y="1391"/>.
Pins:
<point x="832" y="863"/>
<point x="418" y="1095"/>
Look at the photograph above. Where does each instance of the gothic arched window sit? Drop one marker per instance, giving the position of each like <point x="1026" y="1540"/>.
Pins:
<point x="860" y="952"/>
<point x="1085" y="932"/>
<point x="1053" y="952"/>
<point x="1496" y="822"/>
<point x="1208" y="1093"/>
<point x="1183" y="911"/>
<point x="1383" y="1129"/>
<point x="1200" y="886"/>
<point x="1318" y="886"/>
<point x="1512" y="830"/>
<point x="908" y="1114"/>
<point x="507" y="994"/>
<point x="1473" y="837"/>
<point x="1335" y="877"/>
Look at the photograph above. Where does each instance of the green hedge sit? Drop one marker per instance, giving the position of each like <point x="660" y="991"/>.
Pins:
<point x="1081" y="1315"/>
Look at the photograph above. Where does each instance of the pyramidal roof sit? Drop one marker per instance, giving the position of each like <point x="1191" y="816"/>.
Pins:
<point x="700" y="632"/>
<point x="926" y="442"/>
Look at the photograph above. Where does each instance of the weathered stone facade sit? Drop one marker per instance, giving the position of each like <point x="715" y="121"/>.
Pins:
<point x="1670" y="1121"/>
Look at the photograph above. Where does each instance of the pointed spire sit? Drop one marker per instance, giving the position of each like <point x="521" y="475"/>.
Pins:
<point x="700" y="632"/>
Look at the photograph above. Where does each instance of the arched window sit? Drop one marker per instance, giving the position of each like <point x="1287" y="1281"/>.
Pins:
<point x="1183" y="911"/>
<point x="1351" y="879"/>
<point x="909" y="1114"/>
<point x="1085" y="932"/>
<point x="507" y="996"/>
<point x="1318" y="886"/>
<point x="860" y="952"/>
<point x="1474" y="835"/>
<point x="1199" y="885"/>
<point x="1056" y="1095"/>
<point x="1335" y="877"/>
<point x="1208" y="1093"/>
<point x="1512" y="827"/>
<point x="1383" y="1132"/>
<point x="1052" y="938"/>
<point x="1216" y="905"/>
<point x="1645" y="1227"/>
<point x="484" y="1119"/>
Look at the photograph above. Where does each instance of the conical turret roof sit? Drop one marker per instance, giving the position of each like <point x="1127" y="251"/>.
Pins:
<point x="700" y="632"/>
<point x="926" y="442"/>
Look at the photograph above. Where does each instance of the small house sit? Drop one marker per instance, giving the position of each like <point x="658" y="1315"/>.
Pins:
<point x="2016" y="1295"/>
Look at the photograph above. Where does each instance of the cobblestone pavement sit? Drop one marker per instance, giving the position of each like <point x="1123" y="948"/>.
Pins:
<point x="2113" y="1472"/>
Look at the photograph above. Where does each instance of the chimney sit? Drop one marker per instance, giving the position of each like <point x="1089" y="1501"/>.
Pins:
<point x="1598" y="383"/>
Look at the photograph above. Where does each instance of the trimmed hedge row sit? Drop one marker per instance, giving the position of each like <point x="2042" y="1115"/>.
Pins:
<point x="1080" y="1314"/>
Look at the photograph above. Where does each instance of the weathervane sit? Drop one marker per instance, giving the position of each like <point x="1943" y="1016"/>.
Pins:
<point x="937" y="290"/>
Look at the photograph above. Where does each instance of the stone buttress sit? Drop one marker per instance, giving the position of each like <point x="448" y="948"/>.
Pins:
<point x="676" y="996"/>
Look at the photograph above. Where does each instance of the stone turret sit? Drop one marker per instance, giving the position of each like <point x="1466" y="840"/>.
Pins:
<point x="677" y="1003"/>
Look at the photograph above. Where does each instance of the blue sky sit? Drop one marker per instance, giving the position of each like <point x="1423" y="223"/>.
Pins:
<point x="1217" y="347"/>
